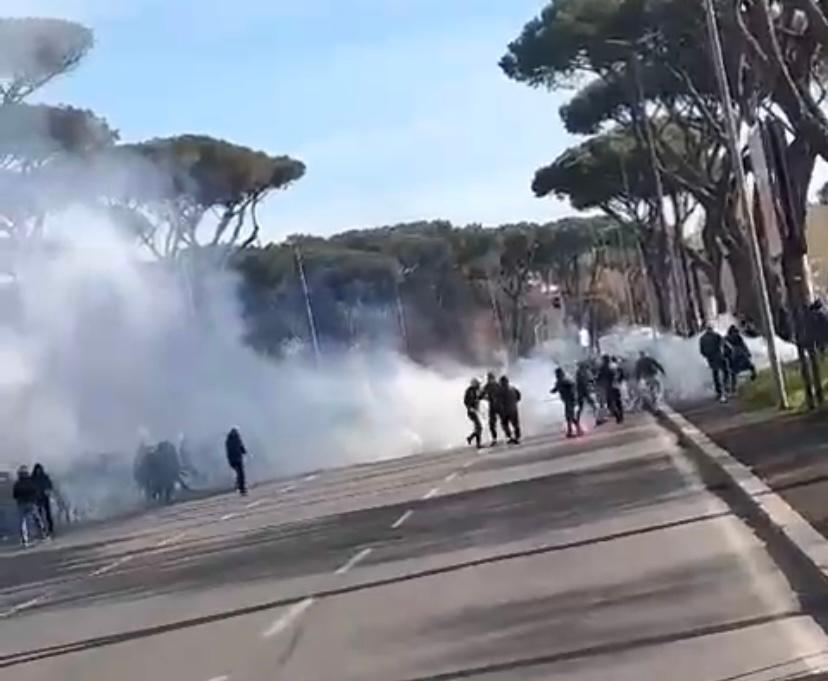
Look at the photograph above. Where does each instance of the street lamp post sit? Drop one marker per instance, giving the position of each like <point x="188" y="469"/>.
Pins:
<point x="757" y="263"/>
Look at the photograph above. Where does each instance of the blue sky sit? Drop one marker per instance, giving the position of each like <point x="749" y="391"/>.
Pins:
<point x="397" y="107"/>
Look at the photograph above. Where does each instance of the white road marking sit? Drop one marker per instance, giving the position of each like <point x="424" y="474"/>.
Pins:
<point x="468" y="463"/>
<point x="220" y="678"/>
<point x="228" y="516"/>
<point x="289" y="488"/>
<point x="111" y="566"/>
<point x="399" y="521"/>
<point x="253" y="504"/>
<point x="309" y="478"/>
<point x="22" y="606"/>
<point x="451" y="477"/>
<point x="171" y="540"/>
<point x="362" y="555"/>
<point x="431" y="493"/>
<point x="294" y="613"/>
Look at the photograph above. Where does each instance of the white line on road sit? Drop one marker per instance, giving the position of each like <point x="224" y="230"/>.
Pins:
<point x="289" y="488"/>
<point x="431" y="493"/>
<point x="451" y="477"/>
<point x="362" y="555"/>
<point x="111" y="566"/>
<point x="399" y="521"/>
<point x="228" y="516"/>
<point x="171" y="540"/>
<point x="22" y="606"/>
<point x="294" y="613"/>
<point x="220" y="678"/>
<point x="253" y="504"/>
<point x="469" y="463"/>
<point x="309" y="478"/>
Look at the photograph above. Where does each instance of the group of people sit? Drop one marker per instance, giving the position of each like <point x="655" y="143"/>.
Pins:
<point x="727" y="356"/>
<point x="503" y="399"/>
<point x="32" y="493"/>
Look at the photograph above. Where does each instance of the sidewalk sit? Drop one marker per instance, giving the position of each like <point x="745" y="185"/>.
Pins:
<point x="789" y="452"/>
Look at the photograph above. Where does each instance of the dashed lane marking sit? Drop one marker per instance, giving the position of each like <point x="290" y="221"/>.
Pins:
<point x="399" y="521"/>
<point x="229" y="516"/>
<point x="254" y="504"/>
<point x="171" y="540"/>
<point x="21" y="606"/>
<point x="109" y="567"/>
<point x="356" y="558"/>
<point x="220" y="678"/>
<point x="294" y="613"/>
<point x="451" y="476"/>
<point x="469" y="463"/>
<point x="431" y="493"/>
<point x="309" y="478"/>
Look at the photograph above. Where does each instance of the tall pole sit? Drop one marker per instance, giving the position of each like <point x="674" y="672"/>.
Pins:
<point x="758" y="265"/>
<point x="308" y="307"/>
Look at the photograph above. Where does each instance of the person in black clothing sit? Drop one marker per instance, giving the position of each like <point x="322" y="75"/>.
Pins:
<point x="236" y="452"/>
<point x="740" y="358"/>
<point x="43" y="483"/>
<point x="712" y="347"/>
<point x="610" y="377"/>
<point x="24" y="492"/>
<point x="565" y="387"/>
<point x="491" y="393"/>
<point x="584" y="386"/>
<point x="471" y="400"/>
<point x="509" y="417"/>
<point x="647" y="370"/>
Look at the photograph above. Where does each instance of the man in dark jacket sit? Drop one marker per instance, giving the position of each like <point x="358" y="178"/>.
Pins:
<point x="491" y="393"/>
<point x="712" y="348"/>
<point x="610" y="377"/>
<point x="43" y="483"/>
<point x="24" y="492"/>
<point x="510" y="418"/>
<point x="565" y="387"/>
<point x="236" y="452"/>
<point x="584" y="388"/>
<point x="471" y="400"/>
<point x="740" y="358"/>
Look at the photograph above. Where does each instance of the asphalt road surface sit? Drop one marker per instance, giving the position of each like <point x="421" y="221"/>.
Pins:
<point x="603" y="558"/>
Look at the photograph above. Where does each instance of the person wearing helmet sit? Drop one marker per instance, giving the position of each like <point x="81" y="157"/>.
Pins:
<point x="471" y="400"/>
<point x="25" y="496"/>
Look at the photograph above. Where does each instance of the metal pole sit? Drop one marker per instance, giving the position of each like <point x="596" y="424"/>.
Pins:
<point x="401" y="315"/>
<point x="308" y="308"/>
<point x="741" y="186"/>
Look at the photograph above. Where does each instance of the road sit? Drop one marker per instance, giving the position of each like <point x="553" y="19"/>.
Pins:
<point x="602" y="558"/>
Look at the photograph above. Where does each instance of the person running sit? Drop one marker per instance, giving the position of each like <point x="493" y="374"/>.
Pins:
<point x="491" y="393"/>
<point x="234" y="447"/>
<point x="44" y="486"/>
<point x="471" y="400"/>
<point x="712" y="348"/>
<point x="565" y="387"/>
<point x="740" y="357"/>
<point x="510" y="418"/>
<point x="647" y="370"/>
<point x="24" y="493"/>
<point x="610" y="377"/>
<point x="584" y="390"/>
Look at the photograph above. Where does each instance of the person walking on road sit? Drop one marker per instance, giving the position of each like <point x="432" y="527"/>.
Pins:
<point x="647" y="370"/>
<point x="491" y="393"/>
<point x="610" y="377"/>
<point x="236" y="452"/>
<point x="565" y="387"/>
<point x="24" y="492"/>
<point x="739" y="356"/>
<point x="471" y="400"/>
<point x="584" y="390"/>
<point x="510" y="418"/>
<point x="44" y="486"/>
<point x="712" y="348"/>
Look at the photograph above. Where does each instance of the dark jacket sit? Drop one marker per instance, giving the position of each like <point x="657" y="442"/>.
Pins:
<point x="24" y="491"/>
<point x="647" y="367"/>
<point x="234" y="447"/>
<point x="509" y="398"/>
<point x="565" y="387"/>
<point x="43" y="484"/>
<point x="491" y="393"/>
<point x="610" y="375"/>
<point x="471" y="398"/>
<point x="711" y="346"/>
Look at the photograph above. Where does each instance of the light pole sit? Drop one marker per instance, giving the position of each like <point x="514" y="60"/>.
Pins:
<point x="308" y="307"/>
<point x="757" y="263"/>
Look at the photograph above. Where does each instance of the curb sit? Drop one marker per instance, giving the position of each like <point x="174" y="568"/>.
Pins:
<point x="759" y="498"/>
